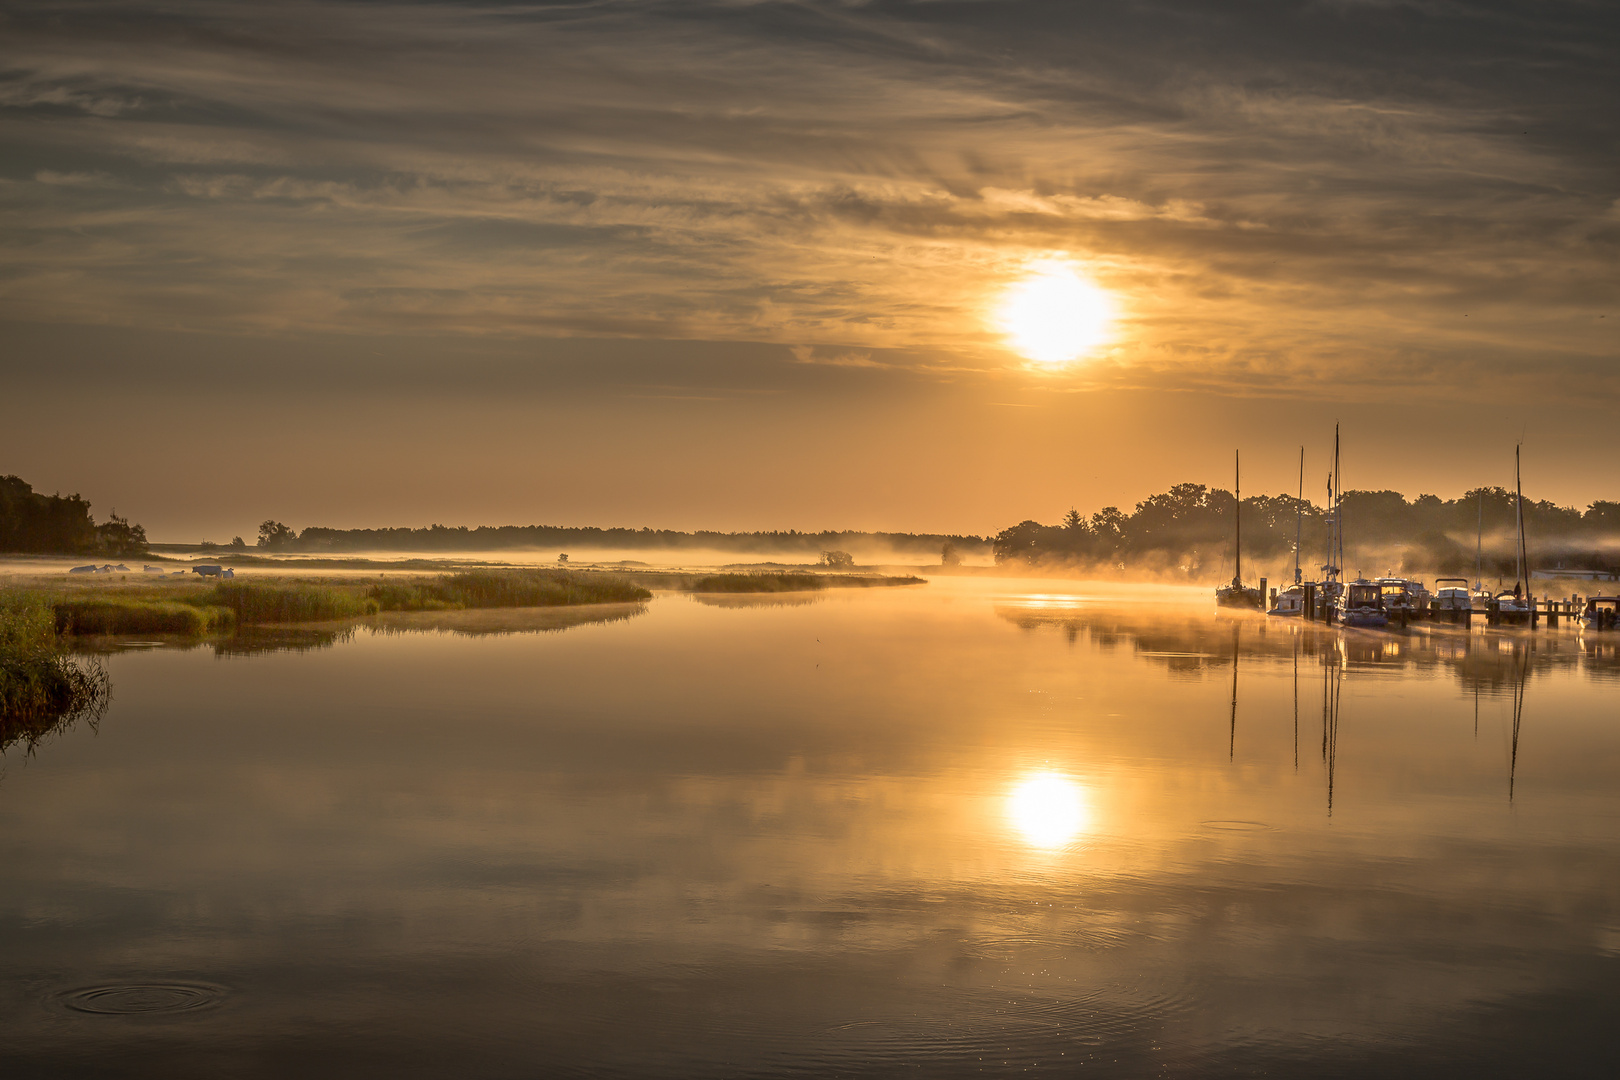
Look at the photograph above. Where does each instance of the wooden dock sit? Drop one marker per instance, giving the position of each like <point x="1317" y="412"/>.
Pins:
<point x="1549" y="610"/>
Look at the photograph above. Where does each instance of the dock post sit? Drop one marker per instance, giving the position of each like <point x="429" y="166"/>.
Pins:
<point x="1493" y="611"/>
<point x="1262" y="590"/>
<point x="1308" y="603"/>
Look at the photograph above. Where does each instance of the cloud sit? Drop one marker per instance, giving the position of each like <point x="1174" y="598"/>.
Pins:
<point x="1274" y="200"/>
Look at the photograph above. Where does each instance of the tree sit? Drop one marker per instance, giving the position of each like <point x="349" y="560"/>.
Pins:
<point x="838" y="560"/>
<point x="275" y="536"/>
<point x="34" y="522"/>
<point x="949" y="556"/>
<point x="116" y="536"/>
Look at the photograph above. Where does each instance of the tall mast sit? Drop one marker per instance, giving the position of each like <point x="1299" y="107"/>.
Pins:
<point x="1338" y="502"/>
<point x="1299" y="513"/>
<point x="1479" y="542"/>
<point x="1523" y="560"/>
<point x="1237" y="514"/>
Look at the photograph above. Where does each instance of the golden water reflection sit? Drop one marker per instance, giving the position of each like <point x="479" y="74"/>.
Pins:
<point x="1048" y="810"/>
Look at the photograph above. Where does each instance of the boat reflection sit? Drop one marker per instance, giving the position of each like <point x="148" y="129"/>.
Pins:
<point x="1486" y="659"/>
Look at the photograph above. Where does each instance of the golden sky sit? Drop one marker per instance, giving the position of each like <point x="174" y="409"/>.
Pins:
<point x="643" y="262"/>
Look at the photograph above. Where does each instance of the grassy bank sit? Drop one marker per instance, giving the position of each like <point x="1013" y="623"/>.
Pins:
<point x="122" y="615"/>
<point x="40" y="689"/>
<point x="192" y="609"/>
<point x="504" y="589"/>
<point x="772" y="582"/>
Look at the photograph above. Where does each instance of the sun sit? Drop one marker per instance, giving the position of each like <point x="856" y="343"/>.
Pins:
<point x="1055" y="316"/>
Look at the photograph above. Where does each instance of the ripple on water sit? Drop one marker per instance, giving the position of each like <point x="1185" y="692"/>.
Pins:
<point x="1237" y="826"/>
<point x="1039" y="1025"/>
<point x="141" y="999"/>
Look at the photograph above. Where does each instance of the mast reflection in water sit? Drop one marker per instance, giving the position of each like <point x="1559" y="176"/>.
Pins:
<point x="952" y="830"/>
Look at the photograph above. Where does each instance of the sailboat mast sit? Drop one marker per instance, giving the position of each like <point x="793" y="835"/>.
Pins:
<point x="1338" y="503"/>
<point x="1299" y="513"/>
<point x="1523" y="556"/>
<point x="1479" y="546"/>
<point x="1237" y="513"/>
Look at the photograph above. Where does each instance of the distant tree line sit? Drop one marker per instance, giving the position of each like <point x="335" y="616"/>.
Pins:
<point x="276" y="536"/>
<point x="36" y="524"/>
<point x="1190" y="528"/>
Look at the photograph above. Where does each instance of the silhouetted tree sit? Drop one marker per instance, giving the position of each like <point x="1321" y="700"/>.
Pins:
<point x="275" y="536"/>
<point x="117" y="536"/>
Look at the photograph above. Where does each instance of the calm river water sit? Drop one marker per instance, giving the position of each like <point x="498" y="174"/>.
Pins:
<point x="971" y="827"/>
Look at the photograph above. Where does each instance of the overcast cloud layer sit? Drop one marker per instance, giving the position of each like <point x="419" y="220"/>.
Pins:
<point x="1384" y="191"/>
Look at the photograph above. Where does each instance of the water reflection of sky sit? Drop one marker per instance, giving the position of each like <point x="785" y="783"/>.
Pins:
<point x="881" y="831"/>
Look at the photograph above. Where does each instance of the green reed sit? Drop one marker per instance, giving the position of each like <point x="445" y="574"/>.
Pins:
<point x="129" y="615"/>
<point x="505" y="588"/>
<point x="759" y="583"/>
<point x="290" y="602"/>
<point x="40" y="689"/>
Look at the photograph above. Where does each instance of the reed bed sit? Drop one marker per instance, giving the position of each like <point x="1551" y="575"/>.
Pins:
<point x="507" y="588"/>
<point x="758" y="583"/>
<point x="766" y="582"/>
<point x="123" y="615"/>
<point x="255" y="602"/>
<point x="40" y="689"/>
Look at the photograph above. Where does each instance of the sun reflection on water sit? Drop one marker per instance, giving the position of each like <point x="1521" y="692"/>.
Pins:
<point x="1048" y="809"/>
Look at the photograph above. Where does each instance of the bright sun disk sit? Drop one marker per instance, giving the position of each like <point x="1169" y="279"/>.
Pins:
<point x="1054" y="316"/>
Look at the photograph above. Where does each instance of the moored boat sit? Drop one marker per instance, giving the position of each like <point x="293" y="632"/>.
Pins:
<point x="1453" y="599"/>
<point x="1405" y="599"/>
<point x="1291" y="601"/>
<point x="1601" y="613"/>
<point x="1362" y="604"/>
<point x="1237" y="594"/>
<point x="1513" y="606"/>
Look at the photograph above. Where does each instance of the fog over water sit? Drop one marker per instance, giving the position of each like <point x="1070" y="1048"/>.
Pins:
<point x="971" y="826"/>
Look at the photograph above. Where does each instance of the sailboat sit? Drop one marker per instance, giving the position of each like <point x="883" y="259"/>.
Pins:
<point x="1481" y="597"/>
<point x="1355" y="603"/>
<point x="1237" y="595"/>
<point x="1291" y="601"/>
<point x="1515" y="606"/>
<point x="1331" y="589"/>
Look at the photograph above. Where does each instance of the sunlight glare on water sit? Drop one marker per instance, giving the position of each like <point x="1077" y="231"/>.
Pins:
<point x="827" y="834"/>
<point x="1048" y="810"/>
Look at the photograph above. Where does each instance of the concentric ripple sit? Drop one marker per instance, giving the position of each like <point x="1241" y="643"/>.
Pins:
<point x="141" y="999"/>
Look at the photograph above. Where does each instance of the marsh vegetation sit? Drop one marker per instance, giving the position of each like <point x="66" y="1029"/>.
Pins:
<point x="186" y="608"/>
<point x="790" y="582"/>
<point x="41" y="690"/>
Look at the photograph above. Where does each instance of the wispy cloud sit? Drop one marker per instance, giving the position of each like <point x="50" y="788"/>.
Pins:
<point x="1279" y="202"/>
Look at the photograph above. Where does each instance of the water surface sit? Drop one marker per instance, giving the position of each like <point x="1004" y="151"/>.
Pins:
<point x="968" y="827"/>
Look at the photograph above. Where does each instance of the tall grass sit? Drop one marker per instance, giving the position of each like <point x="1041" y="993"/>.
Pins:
<point x="505" y="588"/>
<point x="260" y="602"/>
<point x="124" y="615"/>
<point x="40" y="689"/>
<point x="768" y="582"/>
<point x="758" y="583"/>
<point x="538" y="588"/>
